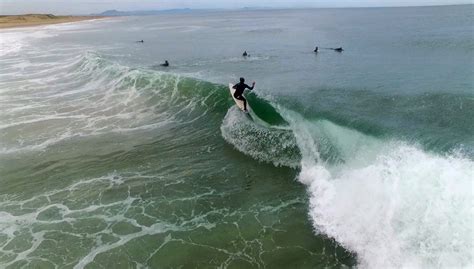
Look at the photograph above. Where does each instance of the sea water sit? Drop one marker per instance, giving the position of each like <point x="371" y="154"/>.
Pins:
<point x="360" y="158"/>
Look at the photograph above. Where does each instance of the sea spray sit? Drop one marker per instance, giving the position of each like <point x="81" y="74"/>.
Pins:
<point x="266" y="144"/>
<point x="403" y="208"/>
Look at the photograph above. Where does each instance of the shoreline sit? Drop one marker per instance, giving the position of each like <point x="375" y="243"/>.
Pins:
<point x="29" y="20"/>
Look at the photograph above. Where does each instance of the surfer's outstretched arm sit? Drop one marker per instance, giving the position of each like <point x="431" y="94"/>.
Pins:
<point x="250" y="88"/>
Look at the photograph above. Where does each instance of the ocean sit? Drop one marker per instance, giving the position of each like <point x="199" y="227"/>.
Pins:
<point x="361" y="158"/>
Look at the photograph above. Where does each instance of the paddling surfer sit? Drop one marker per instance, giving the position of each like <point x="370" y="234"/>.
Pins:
<point x="239" y="91"/>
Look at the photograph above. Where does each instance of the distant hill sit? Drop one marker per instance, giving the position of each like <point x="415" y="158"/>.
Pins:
<point x="143" y="12"/>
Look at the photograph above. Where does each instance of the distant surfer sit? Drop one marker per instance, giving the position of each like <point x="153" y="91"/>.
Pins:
<point x="316" y="50"/>
<point x="245" y="54"/>
<point x="140" y="41"/>
<point x="165" y="63"/>
<point x="334" y="49"/>
<point x="239" y="91"/>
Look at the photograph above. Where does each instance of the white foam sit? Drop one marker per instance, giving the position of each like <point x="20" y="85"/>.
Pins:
<point x="400" y="207"/>
<point x="67" y="111"/>
<point x="12" y="41"/>
<point x="276" y="146"/>
<point x="122" y="210"/>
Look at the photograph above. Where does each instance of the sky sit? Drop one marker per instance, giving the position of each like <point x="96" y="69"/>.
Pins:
<point x="73" y="7"/>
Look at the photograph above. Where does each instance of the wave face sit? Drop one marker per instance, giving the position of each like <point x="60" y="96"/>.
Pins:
<point x="392" y="203"/>
<point x="119" y="159"/>
<point x="92" y="96"/>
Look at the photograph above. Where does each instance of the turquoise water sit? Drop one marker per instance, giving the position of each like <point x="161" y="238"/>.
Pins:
<point x="361" y="158"/>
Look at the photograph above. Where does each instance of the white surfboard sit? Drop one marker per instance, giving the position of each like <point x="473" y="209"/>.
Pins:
<point x="239" y="103"/>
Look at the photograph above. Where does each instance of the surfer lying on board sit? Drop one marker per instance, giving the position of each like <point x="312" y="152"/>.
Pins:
<point x="239" y="91"/>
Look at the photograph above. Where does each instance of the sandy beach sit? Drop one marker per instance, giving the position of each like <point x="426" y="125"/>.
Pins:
<point x="11" y="21"/>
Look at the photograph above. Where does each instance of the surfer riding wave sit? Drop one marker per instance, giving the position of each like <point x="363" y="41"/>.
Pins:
<point x="239" y="91"/>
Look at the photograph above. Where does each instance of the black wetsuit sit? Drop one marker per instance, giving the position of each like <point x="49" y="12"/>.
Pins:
<point x="239" y="90"/>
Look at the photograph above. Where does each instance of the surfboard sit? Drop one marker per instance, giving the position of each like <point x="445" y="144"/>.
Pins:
<point x="239" y="103"/>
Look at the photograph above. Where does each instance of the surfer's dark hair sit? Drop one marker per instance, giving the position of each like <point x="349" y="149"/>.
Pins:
<point x="242" y="80"/>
